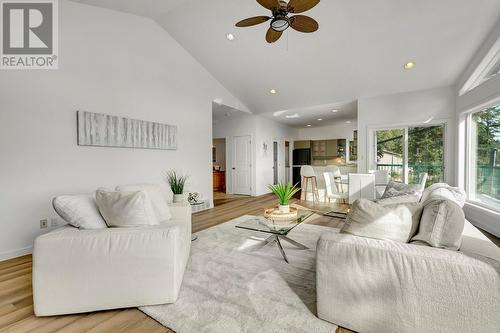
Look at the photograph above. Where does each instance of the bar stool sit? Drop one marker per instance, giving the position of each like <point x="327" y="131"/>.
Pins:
<point x="309" y="177"/>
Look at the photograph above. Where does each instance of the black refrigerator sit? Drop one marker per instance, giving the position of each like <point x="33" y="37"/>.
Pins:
<point x="300" y="157"/>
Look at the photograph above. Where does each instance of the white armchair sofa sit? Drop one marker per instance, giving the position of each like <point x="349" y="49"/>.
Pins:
<point x="78" y="271"/>
<point x="372" y="285"/>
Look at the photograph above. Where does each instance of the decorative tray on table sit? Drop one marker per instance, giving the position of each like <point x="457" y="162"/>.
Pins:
<point x="276" y="216"/>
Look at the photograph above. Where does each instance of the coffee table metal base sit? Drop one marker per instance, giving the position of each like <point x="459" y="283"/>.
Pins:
<point x="276" y="239"/>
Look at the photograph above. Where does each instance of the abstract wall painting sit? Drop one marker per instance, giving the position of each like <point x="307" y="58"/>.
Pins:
<point x="96" y="129"/>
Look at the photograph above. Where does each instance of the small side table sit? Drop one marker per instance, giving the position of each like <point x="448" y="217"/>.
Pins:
<point x="199" y="205"/>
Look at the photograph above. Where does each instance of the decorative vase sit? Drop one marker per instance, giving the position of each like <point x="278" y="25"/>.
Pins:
<point x="284" y="208"/>
<point x="178" y="198"/>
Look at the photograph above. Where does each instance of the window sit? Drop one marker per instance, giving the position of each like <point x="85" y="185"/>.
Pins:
<point x="484" y="157"/>
<point x="407" y="152"/>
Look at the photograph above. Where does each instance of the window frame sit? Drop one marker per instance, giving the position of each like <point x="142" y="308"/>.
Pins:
<point x="372" y="144"/>
<point x="469" y="151"/>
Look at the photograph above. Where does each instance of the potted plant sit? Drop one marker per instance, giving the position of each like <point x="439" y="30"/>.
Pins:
<point x="284" y="192"/>
<point x="176" y="183"/>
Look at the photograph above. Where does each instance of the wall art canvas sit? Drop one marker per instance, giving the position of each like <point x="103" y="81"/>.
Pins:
<point x="96" y="129"/>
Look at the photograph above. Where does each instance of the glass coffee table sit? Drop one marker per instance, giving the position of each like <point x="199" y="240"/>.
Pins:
<point x="277" y="230"/>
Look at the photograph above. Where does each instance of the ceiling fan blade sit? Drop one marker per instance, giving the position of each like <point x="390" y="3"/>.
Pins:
<point x="269" y="4"/>
<point x="303" y="23"/>
<point x="252" y="21"/>
<point x="300" y="6"/>
<point x="272" y="35"/>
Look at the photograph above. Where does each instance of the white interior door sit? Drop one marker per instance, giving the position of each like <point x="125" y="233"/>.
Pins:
<point x="242" y="165"/>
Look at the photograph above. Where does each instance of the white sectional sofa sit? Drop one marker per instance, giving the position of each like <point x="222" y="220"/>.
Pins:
<point x="373" y="285"/>
<point x="78" y="270"/>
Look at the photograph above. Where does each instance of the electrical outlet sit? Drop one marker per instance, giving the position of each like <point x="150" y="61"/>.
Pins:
<point x="54" y="222"/>
<point x="43" y="224"/>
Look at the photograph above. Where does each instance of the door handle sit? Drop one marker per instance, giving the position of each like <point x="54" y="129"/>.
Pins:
<point x="234" y="168"/>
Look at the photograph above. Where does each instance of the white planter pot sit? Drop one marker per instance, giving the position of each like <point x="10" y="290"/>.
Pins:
<point x="284" y="208"/>
<point x="179" y="198"/>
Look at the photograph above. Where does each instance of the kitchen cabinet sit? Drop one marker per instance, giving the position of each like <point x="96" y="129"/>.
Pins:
<point x="324" y="148"/>
<point x="331" y="148"/>
<point x="319" y="148"/>
<point x="304" y="144"/>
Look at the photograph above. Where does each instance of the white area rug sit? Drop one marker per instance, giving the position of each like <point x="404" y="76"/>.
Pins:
<point x="226" y="288"/>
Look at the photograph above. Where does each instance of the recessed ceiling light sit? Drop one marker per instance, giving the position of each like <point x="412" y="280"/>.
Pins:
<point x="272" y="91"/>
<point x="335" y="111"/>
<point x="348" y="122"/>
<point x="308" y="125"/>
<point x="409" y="65"/>
<point x="291" y="116"/>
<point x="230" y="36"/>
<point x="320" y="119"/>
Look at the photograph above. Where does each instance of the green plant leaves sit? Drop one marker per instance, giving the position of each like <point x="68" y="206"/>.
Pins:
<point x="176" y="181"/>
<point x="284" y="191"/>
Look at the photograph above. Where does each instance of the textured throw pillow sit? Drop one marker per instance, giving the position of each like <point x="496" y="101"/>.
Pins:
<point x="369" y="219"/>
<point x="441" y="225"/>
<point x="79" y="210"/>
<point x="126" y="209"/>
<point x="415" y="209"/>
<point x="158" y="200"/>
<point x="444" y="191"/>
<point x="413" y="192"/>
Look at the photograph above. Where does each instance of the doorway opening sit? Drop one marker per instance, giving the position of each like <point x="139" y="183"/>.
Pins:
<point x="219" y="165"/>
<point x="275" y="163"/>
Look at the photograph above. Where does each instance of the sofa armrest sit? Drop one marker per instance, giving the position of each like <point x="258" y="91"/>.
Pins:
<point x="371" y="285"/>
<point x="108" y="268"/>
<point x="181" y="210"/>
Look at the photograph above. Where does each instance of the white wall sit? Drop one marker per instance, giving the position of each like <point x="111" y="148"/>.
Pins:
<point x="262" y="130"/>
<point x="112" y="63"/>
<point x="339" y="130"/>
<point x="269" y="131"/>
<point x="411" y="108"/>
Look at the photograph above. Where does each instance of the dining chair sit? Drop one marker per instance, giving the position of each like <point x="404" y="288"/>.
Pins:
<point x="331" y="190"/>
<point x="337" y="176"/>
<point x="382" y="178"/>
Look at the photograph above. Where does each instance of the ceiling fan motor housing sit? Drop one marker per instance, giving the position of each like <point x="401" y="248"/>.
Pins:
<point x="280" y="21"/>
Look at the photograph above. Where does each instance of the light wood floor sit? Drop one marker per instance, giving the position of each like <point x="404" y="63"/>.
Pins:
<point x="16" y="302"/>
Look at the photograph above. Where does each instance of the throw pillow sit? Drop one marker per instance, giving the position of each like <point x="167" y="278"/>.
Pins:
<point x="444" y="191"/>
<point x="126" y="209"/>
<point x="415" y="209"/>
<point x="396" y="189"/>
<point x="79" y="210"/>
<point x="158" y="200"/>
<point x="369" y="219"/>
<point x="441" y="224"/>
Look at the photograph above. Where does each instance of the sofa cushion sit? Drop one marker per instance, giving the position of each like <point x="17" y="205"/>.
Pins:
<point x="369" y="219"/>
<point x="126" y="209"/>
<point x="79" y="210"/>
<point x="158" y="200"/>
<point x="441" y="224"/>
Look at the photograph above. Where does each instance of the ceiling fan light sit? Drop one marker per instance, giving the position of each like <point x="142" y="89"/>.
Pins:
<point x="280" y="23"/>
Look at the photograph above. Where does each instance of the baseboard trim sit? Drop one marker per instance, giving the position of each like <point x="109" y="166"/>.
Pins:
<point x="16" y="253"/>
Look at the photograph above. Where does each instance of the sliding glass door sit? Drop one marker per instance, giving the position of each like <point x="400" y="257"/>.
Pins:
<point x="407" y="152"/>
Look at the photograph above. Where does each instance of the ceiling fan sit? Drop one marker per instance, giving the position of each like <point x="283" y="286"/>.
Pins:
<point x="280" y="21"/>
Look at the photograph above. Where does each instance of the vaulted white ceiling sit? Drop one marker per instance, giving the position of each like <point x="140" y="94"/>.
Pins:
<point x="358" y="51"/>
